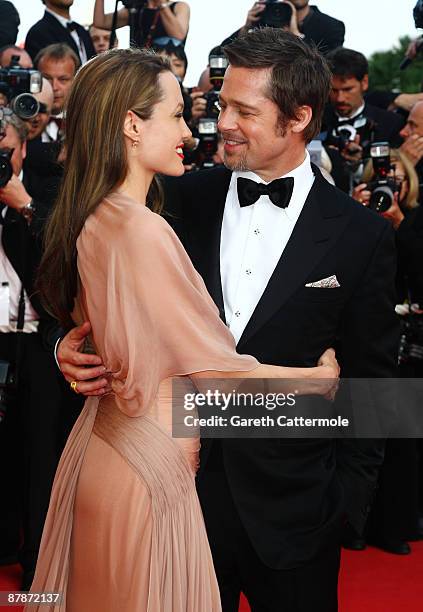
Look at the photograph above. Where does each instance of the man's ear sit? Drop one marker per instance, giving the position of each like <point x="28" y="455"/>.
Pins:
<point x="365" y="83"/>
<point x="304" y="116"/>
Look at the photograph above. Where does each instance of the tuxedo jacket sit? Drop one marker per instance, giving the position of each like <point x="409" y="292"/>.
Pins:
<point x="49" y="31"/>
<point x="325" y="31"/>
<point x="292" y="494"/>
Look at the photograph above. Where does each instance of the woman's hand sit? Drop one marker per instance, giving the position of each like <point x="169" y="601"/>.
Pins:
<point x="394" y="214"/>
<point x="328" y="373"/>
<point x="362" y="194"/>
<point x="330" y="364"/>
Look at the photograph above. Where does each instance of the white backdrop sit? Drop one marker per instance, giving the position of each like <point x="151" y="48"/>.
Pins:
<point x="371" y="24"/>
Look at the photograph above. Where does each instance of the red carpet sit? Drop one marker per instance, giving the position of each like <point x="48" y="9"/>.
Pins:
<point x="371" y="581"/>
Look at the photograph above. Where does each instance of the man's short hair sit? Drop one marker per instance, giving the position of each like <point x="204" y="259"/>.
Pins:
<point x="59" y="52"/>
<point x="9" y="118"/>
<point x="299" y="77"/>
<point x="346" y="63"/>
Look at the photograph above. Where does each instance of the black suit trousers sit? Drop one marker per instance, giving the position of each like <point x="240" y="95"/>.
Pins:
<point x="32" y="437"/>
<point x="312" y="586"/>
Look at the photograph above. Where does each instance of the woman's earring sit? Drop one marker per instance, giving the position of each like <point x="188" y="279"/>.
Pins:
<point x="135" y="143"/>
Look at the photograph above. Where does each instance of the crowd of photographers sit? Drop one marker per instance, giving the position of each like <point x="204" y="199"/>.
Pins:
<point x="370" y="146"/>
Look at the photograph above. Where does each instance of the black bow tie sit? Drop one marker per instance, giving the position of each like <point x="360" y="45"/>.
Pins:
<point x="279" y="191"/>
<point x="72" y="26"/>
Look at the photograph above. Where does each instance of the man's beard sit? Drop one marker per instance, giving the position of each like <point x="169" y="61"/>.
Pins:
<point x="236" y="165"/>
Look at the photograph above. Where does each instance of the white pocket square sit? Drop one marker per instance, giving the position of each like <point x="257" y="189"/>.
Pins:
<point x="331" y="282"/>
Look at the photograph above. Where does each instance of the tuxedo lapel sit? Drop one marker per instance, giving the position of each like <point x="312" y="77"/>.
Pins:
<point x="205" y="231"/>
<point x="322" y="220"/>
<point x="62" y="34"/>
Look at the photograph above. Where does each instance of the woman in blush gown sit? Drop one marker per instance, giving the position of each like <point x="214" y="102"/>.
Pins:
<point x="124" y="531"/>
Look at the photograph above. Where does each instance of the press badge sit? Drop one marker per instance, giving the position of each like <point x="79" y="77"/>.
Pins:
<point x="4" y="303"/>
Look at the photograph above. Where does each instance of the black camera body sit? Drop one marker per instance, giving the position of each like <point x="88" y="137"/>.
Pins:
<point x="207" y="127"/>
<point x="411" y="341"/>
<point x="6" y="170"/>
<point x="383" y="188"/>
<point x="344" y="133"/>
<point x="276" y="14"/>
<point x="341" y="137"/>
<point x="134" y="4"/>
<point x="18" y="85"/>
<point x="8" y="387"/>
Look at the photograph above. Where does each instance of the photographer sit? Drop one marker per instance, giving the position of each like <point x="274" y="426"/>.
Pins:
<point x="350" y="124"/>
<point x="158" y="21"/>
<point x="33" y="418"/>
<point x="305" y="21"/>
<point x="394" y="518"/>
<point x="42" y="172"/>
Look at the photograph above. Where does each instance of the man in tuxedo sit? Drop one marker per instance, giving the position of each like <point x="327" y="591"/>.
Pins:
<point x="349" y="113"/>
<point x="58" y="64"/>
<point x="56" y="26"/>
<point x="265" y="233"/>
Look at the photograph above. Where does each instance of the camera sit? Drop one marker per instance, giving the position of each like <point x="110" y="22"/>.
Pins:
<point x="134" y="4"/>
<point x="341" y="137"/>
<point x="342" y="134"/>
<point x="7" y="387"/>
<point x="18" y="85"/>
<point x="276" y="14"/>
<point x="207" y="127"/>
<point x="6" y="170"/>
<point x="411" y="341"/>
<point x="383" y="188"/>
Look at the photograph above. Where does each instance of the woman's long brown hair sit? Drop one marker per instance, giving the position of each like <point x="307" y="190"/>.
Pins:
<point x="96" y="162"/>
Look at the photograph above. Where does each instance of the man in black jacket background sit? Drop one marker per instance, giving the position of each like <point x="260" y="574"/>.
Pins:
<point x="56" y="26"/>
<point x="35" y="418"/>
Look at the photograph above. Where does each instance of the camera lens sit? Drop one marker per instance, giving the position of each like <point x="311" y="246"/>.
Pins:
<point x="381" y="199"/>
<point x="25" y="106"/>
<point x="6" y="170"/>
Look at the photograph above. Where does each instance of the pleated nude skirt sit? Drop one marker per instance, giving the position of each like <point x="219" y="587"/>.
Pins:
<point x="125" y="531"/>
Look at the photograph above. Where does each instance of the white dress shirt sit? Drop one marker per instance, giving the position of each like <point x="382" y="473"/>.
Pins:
<point x="252" y="241"/>
<point x="9" y="275"/>
<point x="64" y="22"/>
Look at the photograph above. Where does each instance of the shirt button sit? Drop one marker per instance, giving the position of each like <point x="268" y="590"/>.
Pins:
<point x="237" y="314"/>
<point x="248" y="272"/>
<point x="257" y="231"/>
